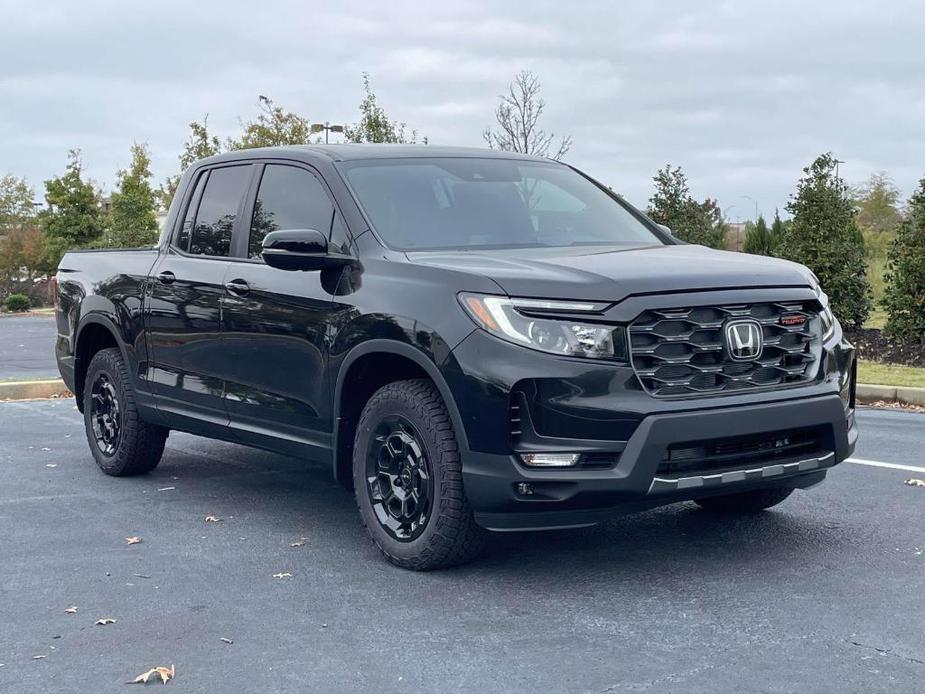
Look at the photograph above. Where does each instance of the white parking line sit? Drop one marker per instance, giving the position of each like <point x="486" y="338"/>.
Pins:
<point x="892" y="466"/>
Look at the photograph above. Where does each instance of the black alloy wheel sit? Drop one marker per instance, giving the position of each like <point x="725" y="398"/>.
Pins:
<point x="399" y="480"/>
<point x="106" y="414"/>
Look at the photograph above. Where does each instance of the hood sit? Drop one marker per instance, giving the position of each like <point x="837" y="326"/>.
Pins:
<point x="596" y="274"/>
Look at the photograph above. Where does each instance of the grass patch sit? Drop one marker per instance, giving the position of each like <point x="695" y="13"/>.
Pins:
<point x="875" y="373"/>
<point x="876" y="319"/>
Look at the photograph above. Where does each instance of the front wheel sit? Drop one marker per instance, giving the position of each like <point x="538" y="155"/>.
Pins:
<point x="745" y="502"/>
<point x="121" y="442"/>
<point x="408" y="479"/>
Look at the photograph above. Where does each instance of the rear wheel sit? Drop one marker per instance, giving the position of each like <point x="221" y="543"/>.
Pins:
<point x="408" y="479"/>
<point x="121" y="442"/>
<point x="745" y="502"/>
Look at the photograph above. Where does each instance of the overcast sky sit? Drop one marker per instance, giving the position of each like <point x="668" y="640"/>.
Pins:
<point x="741" y="94"/>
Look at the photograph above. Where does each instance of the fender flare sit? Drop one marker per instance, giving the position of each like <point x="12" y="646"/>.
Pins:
<point x="105" y="321"/>
<point x="420" y="358"/>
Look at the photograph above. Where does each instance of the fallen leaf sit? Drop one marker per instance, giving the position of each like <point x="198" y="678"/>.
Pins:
<point x="103" y="621"/>
<point x="71" y="610"/>
<point x="915" y="482"/>
<point x="213" y="519"/>
<point x="39" y="657"/>
<point x="224" y="640"/>
<point x="133" y="540"/>
<point x="297" y="543"/>
<point x="165" y="673"/>
<point x="282" y="574"/>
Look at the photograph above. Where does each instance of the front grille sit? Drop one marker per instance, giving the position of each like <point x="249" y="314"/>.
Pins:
<point x="682" y="351"/>
<point x="740" y="451"/>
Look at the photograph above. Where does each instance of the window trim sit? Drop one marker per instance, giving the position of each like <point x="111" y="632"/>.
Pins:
<point x="239" y="245"/>
<point x="235" y="229"/>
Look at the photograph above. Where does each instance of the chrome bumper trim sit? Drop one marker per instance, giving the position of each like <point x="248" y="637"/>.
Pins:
<point x="661" y="485"/>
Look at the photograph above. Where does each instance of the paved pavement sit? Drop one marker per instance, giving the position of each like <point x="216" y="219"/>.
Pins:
<point x="27" y="347"/>
<point x="826" y="594"/>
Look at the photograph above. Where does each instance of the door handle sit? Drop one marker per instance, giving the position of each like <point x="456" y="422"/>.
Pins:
<point x="237" y="287"/>
<point x="166" y="277"/>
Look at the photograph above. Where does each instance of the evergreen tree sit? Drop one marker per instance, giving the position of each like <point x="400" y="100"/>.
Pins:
<point x="199" y="145"/>
<point x="672" y="205"/>
<point x="74" y="217"/>
<point x="824" y="236"/>
<point x="133" y="220"/>
<point x="904" y="299"/>
<point x="374" y="124"/>
<point x="758" y="239"/>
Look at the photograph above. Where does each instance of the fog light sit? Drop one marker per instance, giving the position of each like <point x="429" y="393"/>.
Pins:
<point x="550" y="459"/>
<point x="524" y="488"/>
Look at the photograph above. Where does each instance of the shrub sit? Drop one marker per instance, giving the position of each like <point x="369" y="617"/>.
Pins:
<point x="904" y="298"/>
<point x="824" y="236"/>
<point x="16" y="303"/>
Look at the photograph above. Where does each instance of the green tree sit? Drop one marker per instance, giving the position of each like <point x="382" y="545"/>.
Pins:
<point x="824" y="236"/>
<point x="200" y="144"/>
<point x="375" y="125"/>
<point x="672" y="205"/>
<point x="273" y="127"/>
<point x="133" y="219"/>
<point x="73" y="217"/>
<point x="877" y="200"/>
<point x="904" y="298"/>
<point x="17" y="203"/>
<point x="758" y="240"/>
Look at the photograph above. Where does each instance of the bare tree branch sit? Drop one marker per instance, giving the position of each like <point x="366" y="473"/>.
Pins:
<point x="518" y="116"/>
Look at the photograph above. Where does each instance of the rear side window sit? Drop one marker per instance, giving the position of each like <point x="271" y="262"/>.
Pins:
<point x="288" y="198"/>
<point x="214" y="220"/>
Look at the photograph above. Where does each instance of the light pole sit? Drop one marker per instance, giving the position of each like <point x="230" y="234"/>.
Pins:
<point x="328" y="128"/>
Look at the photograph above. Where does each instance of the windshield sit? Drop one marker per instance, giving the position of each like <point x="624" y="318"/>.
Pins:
<point x="470" y="203"/>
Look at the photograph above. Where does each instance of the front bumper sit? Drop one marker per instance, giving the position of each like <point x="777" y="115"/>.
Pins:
<point x="600" y="409"/>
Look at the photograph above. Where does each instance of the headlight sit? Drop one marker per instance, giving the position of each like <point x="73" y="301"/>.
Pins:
<point x="517" y="321"/>
<point x="828" y="323"/>
<point x="828" y="318"/>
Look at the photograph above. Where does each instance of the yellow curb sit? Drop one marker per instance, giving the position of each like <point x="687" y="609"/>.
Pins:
<point x="33" y="390"/>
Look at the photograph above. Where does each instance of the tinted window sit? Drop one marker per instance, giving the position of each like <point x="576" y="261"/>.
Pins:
<point x="469" y="203"/>
<point x="211" y="233"/>
<point x="288" y="198"/>
<point x="183" y="237"/>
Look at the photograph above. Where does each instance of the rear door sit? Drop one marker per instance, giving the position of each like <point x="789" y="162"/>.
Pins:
<point x="276" y="322"/>
<point x="184" y="315"/>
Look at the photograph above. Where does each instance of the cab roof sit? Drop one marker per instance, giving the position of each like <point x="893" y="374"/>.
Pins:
<point x="357" y="152"/>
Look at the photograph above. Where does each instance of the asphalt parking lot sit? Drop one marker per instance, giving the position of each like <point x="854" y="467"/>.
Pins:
<point x="825" y="594"/>
<point x="27" y="345"/>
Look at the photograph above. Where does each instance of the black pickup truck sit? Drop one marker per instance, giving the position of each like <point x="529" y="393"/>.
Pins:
<point x="472" y="340"/>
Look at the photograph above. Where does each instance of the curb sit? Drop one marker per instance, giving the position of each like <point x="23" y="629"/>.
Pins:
<point x="901" y="394"/>
<point x="33" y="390"/>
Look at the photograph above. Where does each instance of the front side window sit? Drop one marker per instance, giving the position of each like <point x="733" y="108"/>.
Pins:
<point x="214" y="222"/>
<point x="465" y="203"/>
<point x="288" y="198"/>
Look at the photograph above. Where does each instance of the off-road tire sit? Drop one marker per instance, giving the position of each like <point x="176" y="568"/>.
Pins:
<point x="745" y="502"/>
<point x="140" y="444"/>
<point x="450" y="536"/>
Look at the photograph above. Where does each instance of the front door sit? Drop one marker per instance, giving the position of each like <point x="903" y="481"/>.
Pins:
<point x="184" y="310"/>
<point x="275" y="322"/>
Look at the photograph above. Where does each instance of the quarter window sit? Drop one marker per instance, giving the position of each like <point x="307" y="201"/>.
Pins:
<point x="211" y="232"/>
<point x="289" y="198"/>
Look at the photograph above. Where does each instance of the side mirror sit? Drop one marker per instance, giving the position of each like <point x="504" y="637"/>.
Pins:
<point x="299" y="249"/>
<point x="667" y="230"/>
